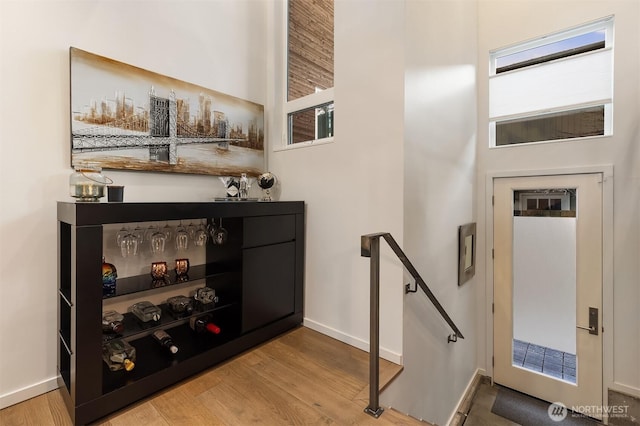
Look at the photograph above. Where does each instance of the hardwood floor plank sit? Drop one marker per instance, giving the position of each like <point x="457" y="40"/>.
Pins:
<point x="178" y="407"/>
<point x="332" y="353"/>
<point x="14" y="415"/>
<point x="300" y="378"/>
<point x="59" y="413"/>
<point x="143" y="413"/>
<point x="388" y="371"/>
<point x="201" y="383"/>
<point x="34" y="411"/>
<point x="252" y="358"/>
<point x="313" y="388"/>
<point x="299" y="372"/>
<point x="245" y="398"/>
<point x="345" y="363"/>
<point x="310" y="367"/>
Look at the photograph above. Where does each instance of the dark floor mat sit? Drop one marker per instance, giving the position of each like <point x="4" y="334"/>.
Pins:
<point x="529" y="411"/>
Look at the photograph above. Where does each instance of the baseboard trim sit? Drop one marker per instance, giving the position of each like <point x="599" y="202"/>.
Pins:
<point x="626" y="389"/>
<point x="351" y="340"/>
<point x="458" y="415"/>
<point x="28" y="392"/>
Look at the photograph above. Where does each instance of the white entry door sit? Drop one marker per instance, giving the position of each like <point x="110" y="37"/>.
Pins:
<point x="548" y="287"/>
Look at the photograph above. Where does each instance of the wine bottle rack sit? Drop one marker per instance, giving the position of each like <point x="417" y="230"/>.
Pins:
<point x="257" y="276"/>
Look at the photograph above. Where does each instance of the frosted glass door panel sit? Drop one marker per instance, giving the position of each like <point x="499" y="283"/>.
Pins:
<point x="544" y="275"/>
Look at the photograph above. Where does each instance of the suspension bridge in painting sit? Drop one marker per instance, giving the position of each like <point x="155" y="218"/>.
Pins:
<point x="85" y="141"/>
<point x="162" y="132"/>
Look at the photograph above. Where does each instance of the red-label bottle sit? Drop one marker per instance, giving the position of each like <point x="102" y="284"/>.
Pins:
<point x="204" y="324"/>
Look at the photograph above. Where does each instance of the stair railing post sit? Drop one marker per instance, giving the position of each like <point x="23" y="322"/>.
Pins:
<point x="373" y="244"/>
<point x="370" y="247"/>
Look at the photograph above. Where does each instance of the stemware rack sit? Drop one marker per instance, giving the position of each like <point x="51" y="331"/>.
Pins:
<point x="257" y="274"/>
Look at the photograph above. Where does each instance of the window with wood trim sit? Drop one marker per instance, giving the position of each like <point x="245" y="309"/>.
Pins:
<point x="309" y="98"/>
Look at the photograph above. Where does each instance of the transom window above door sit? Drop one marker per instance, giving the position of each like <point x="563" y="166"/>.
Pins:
<point x="552" y="88"/>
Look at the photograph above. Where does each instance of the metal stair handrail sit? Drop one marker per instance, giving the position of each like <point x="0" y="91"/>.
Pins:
<point x="370" y="247"/>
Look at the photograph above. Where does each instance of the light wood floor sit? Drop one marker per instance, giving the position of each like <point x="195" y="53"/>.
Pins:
<point x="301" y="377"/>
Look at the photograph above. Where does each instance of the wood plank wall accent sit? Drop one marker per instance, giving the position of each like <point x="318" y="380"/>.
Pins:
<point x="310" y="57"/>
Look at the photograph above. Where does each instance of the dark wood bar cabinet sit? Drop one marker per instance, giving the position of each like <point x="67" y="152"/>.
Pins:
<point x="257" y="275"/>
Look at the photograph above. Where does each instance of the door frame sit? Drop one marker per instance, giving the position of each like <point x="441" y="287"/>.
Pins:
<point x="607" y="262"/>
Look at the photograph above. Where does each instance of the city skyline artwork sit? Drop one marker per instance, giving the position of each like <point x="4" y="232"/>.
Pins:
<point x="125" y="117"/>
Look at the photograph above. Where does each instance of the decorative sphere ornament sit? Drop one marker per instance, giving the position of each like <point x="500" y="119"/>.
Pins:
<point x="266" y="181"/>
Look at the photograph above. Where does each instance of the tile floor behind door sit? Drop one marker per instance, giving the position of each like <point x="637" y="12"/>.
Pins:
<point x="561" y="365"/>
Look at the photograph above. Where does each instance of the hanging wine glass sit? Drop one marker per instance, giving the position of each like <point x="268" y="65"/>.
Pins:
<point x="129" y="245"/>
<point x="138" y="231"/>
<point x="191" y="230"/>
<point x="201" y="235"/>
<point x="124" y="231"/>
<point x="152" y="229"/>
<point x="168" y="232"/>
<point x="182" y="237"/>
<point x="212" y="228"/>
<point x="220" y="235"/>
<point x="158" y="241"/>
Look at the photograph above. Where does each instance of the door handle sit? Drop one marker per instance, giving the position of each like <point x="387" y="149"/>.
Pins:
<point x="593" y="322"/>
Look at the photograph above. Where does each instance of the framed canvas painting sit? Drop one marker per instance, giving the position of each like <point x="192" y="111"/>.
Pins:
<point x="125" y="117"/>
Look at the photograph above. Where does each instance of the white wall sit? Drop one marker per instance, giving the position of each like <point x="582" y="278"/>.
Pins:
<point x="353" y="186"/>
<point x="216" y="44"/>
<point x="402" y="161"/>
<point x="440" y="144"/>
<point x="503" y="23"/>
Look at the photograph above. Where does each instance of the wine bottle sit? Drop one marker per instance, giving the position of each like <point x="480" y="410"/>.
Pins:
<point x="118" y="355"/>
<point x="165" y="340"/>
<point x="205" y="295"/>
<point x="204" y="324"/>
<point x="146" y="311"/>
<point x="180" y="304"/>
<point x="112" y="322"/>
